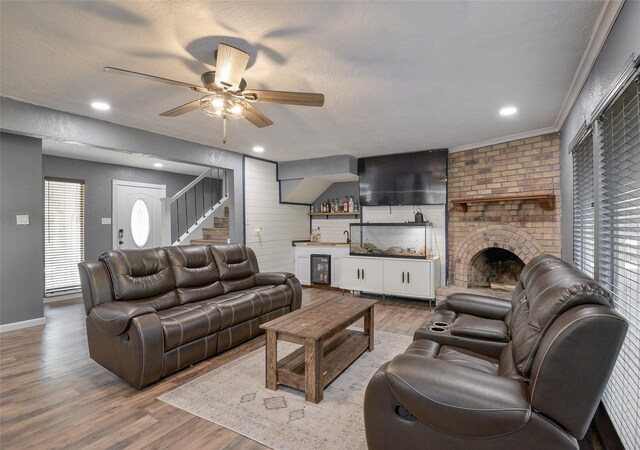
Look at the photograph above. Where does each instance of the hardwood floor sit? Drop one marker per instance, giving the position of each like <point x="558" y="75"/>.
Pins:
<point x="52" y="395"/>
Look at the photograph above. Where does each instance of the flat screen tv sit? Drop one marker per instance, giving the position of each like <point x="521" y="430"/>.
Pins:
<point x="418" y="178"/>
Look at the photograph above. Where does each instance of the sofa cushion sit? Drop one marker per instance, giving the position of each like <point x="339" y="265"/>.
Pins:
<point x="238" y="307"/>
<point x="480" y="328"/>
<point x="186" y="323"/>
<point x="233" y="261"/>
<point x="141" y="274"/>
<point x="195" y="272"/>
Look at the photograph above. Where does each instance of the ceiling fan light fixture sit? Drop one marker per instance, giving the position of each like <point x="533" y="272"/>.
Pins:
<point x="223" y="105"/>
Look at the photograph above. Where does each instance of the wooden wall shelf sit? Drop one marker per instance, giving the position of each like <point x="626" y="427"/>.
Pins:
<point x="546" y="201"/>
<point x="335" y="214"/>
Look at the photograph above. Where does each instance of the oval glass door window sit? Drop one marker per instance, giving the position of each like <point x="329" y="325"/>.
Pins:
<point x="140" y="225"/>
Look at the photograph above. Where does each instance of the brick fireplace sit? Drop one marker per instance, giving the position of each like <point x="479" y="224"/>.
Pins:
<point x="520" y="227"/>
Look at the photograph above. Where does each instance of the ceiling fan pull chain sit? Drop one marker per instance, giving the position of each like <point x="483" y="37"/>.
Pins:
<point x="224" y="130"/>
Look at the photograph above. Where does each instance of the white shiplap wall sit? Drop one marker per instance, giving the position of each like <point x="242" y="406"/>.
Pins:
<point x="434" y="213"/>
<point x="279" y="224"/>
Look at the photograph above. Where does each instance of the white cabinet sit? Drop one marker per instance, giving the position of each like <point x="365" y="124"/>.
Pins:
<point x="335" y="270"/>
<point x="361" y="274"/>
<point x="416" y="278"/>
<point x="303" y="269"/>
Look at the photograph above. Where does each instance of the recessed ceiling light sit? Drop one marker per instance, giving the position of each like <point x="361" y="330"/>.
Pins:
<point x="258" y="149"/>
<point x="102" y="106"/>
<point x="508" y="111"/>
<point x="158" y="165"/>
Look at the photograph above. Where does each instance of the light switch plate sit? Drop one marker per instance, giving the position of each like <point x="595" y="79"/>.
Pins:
<point x="106" y="221"/>
<point x="22" y="219"/>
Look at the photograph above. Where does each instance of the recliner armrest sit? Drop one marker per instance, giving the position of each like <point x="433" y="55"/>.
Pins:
<point x="478" y="305"/>
<point x="457" y="399"/>
<point x="265" y="278"/>
<point x="113" y="318"/>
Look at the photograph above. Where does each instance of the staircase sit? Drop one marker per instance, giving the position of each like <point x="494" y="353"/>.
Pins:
<point x="217" y="235"/>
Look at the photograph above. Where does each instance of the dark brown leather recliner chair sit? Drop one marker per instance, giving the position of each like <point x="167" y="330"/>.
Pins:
<point x="153" y="312"/>
<point x="539" y="388"/>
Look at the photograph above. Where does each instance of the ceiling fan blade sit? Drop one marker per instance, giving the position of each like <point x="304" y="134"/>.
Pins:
<point x="193" y="87"/>
<point x="256" y="117"/>
<point x="283" y="97"/>
<point x="230" y="65"/>
<point x="183" y="109"/>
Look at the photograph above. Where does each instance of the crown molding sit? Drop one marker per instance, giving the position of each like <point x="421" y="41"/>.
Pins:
<point x="604" y="23"/>
<point x="500" y="140"/>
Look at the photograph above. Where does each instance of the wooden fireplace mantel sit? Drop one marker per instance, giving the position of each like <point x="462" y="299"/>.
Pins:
<point x="546" y="201"/>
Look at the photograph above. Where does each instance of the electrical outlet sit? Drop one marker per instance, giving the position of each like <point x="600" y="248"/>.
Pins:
<point x="106" y="221"/>
<point x="22" y="219"/>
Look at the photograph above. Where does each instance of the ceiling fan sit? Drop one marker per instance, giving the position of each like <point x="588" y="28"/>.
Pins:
<point x="226" y="94"/>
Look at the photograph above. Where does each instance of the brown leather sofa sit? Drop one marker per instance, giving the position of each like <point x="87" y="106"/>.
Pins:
<point x="153" y="312"/>
<point x="485" y="373"/>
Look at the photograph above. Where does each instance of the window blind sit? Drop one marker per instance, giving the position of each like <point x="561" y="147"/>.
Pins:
<point x="63" y="235"/>
<point x="619" y="250"/>
<point x="583" y="202"/>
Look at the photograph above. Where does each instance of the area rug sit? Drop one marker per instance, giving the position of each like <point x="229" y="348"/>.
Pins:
<point x="234" y="396"/>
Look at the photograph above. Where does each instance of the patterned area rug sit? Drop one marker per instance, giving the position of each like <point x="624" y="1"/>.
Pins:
<point x="234" y="396"/>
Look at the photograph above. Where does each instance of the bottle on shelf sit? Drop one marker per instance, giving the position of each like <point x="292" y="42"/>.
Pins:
<point x="356" y="208"/>
<point x="318" y="235"/>
<point x="345" y="205"/>
<point x="351" y="204"/>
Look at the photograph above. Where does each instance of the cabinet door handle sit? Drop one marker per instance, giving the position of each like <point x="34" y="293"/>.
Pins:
<point x="408" y="278"/>
<point x="363" y="274"/>
<point x="358" y="274"/>
<point x="403" y="277"/>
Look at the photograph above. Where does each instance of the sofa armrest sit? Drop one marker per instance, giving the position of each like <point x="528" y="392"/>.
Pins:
<point x="264" y="278"/>
<point x="96" y="284"/>
<point x="478" y="305"/>
<point x="457" y="399"/>
<point x="113" y="318"/>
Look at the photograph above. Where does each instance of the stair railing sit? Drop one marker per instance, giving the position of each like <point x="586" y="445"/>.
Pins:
<point x="183" y="212"/>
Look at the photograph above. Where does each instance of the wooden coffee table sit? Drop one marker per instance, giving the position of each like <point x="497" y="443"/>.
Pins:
<point x="328" y="348"/>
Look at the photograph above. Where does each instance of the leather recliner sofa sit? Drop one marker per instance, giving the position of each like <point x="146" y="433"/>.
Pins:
<point x="486" y="373"/>
<point x="153" y="312"/>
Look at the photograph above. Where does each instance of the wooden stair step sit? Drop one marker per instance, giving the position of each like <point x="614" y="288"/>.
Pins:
<point x="207" y="241"/>
<point x="216" y="236"/>
<point x="221" y="222"/>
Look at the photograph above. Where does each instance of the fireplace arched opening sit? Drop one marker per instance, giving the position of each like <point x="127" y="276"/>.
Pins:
<point x="496" y="266"/>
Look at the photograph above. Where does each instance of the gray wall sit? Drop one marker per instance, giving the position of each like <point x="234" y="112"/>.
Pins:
<point x="623" y="40"/>
<point x="31" y="120"/>
<point x="98" y="192"/>
<point x="21" y="246"/>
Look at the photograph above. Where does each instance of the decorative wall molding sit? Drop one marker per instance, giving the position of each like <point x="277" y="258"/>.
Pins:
<point x="503" y="139"/>
<point x="601" y="30"/>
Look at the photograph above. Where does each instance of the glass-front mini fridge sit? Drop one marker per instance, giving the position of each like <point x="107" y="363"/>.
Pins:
<point x="321" y="269"/>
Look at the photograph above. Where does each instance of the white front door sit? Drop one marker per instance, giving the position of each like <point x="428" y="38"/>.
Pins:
<point x="136" y="214"/>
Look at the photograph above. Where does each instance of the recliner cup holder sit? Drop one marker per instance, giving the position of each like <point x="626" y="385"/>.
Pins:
<point x="442" y="324"/>
<point x="438" y="329"/>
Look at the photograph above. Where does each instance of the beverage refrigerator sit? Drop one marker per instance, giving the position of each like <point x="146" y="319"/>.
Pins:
<point x="321" y="269"/>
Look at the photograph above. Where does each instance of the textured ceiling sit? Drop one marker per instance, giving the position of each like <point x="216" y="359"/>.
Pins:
<point x="397" y="76"/>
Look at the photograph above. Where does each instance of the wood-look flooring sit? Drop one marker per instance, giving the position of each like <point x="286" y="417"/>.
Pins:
<point x="52" y="395"/>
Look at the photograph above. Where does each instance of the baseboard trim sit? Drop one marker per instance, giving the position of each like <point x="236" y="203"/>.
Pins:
<point x="62" y="298"/>
<point x="605" y="430"/>
<point x="24" y="324"/>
